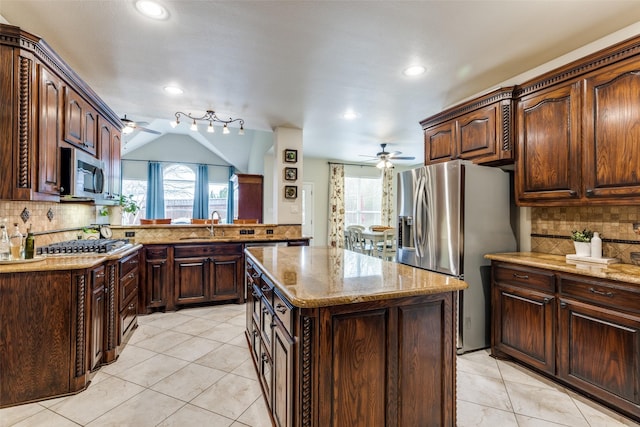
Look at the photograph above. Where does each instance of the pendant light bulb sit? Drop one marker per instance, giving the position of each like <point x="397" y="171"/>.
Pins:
<point x="241" y="131"/>
<point x="210" y="128"/>
<point x="194" y="126"/>
<point x="225" y="129"/>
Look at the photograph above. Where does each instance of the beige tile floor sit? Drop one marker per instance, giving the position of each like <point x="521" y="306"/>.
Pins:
<point x="192" y="368"/>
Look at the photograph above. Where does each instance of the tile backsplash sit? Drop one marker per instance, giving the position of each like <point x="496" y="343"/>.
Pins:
<point x="552" y="226"/>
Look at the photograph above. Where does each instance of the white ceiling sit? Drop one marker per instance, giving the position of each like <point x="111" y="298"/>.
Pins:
<point x="304" y="63"/>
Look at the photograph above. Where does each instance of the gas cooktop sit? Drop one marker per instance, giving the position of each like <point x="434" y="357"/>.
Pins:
<point x="84" y="247"/>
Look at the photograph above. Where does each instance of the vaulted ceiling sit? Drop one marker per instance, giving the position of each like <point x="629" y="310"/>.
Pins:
<point x="304" y="63"/>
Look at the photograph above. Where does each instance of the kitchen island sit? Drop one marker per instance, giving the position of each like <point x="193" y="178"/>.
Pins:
<point x="340" y="338"/>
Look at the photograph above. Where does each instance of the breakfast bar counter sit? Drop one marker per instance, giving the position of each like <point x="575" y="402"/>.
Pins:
<point x="341" y="338"/>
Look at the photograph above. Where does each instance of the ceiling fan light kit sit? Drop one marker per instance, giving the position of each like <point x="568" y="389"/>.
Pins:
<point x="384" y="157"/>
<point x="130" y="126"/>
<point x="211" y="117"/>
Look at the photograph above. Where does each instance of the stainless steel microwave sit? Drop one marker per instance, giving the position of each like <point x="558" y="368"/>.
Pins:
<point x="82" y="176"/>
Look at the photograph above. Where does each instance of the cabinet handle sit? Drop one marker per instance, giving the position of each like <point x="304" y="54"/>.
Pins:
<point x="255" y="294"/>
<point x="272" y="324"/>
<point x="563" y="305"/>
<point x="597" y="292"/>
<point x="256" y="274"/>
<point x="265" y="288"/>
<point x="99" y="276"/>
<point x="281" y="308"/>
<point x="265" y="310"/>
<point x="521" y="276"/>
<point x="132" y="306"/>
<point x="131" y="276"/>
<point x="573" y="193"/>
<point x="546" y="300"/>
<point x="134" y="261"/>
<point x="589" y="192"/>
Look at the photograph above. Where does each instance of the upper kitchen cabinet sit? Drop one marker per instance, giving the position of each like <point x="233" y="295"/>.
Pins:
<point x="80" y="122"/>
<point x="109" y="142"/>
<point x="480" y="130"/>
<point x="578" y="133"/>
<point x="44" y="105"/>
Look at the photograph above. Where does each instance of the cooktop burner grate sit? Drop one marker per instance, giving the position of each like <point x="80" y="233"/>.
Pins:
<point x="101" y="246"/>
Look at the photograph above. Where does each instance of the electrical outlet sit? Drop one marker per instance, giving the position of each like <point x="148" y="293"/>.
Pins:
<point x="243" y="231"/>
<point x="269" y="231"/>
<point x="129" y="234"/>
<point x="251" y="231"/>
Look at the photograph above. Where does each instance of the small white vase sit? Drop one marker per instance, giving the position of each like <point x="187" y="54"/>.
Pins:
<point x="582" y="248"/>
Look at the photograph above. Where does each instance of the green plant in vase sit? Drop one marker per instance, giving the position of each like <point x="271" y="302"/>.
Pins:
<point x="129" y="208"/>
<point x="582" y="241"/>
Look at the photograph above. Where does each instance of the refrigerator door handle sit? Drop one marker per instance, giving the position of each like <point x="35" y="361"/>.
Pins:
<point x="418" y="214"/>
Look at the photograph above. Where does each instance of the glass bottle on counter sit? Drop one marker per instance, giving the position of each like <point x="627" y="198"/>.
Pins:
<point x="4" y="243"/>
<point x="15" y="242"/>
<point x="29" y="245"/>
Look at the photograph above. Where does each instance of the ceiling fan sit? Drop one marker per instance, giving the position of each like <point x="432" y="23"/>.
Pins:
<point x="130" y="126"/>
<point x="384" y="157"/>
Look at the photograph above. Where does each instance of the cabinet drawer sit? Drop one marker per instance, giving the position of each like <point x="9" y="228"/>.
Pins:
<point x="266" y="288"/>
<point x="524" y="276"/>
<point x="161" y="252"/>
<point x="607" y="294"/>
<point x="189" y="251"/>
<point x="128" y="286"/>
<point x="127" y="264"/>
<point x="128" y="315"/>
<point x="283" y="310"/>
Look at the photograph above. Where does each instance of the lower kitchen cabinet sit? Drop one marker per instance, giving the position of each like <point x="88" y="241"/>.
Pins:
<point x="127" y="303"/>
<point x="582" y="331"/>
<point x="99" y="317"/>
<point x="157" y="278"/>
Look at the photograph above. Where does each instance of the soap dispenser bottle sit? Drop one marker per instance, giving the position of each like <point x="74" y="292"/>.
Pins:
<point x="596" y="245"/>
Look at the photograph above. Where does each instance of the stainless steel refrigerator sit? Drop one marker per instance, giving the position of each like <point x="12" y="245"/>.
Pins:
<point x="450" y="215"/>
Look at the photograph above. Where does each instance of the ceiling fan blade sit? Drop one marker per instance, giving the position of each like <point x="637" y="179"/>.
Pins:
<point x="402" y="158"/>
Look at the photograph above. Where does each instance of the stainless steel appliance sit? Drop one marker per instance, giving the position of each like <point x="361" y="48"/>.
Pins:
<point x="82" y="176"/>
<point x="85" y="247"/>
<point x="450" y="215"/>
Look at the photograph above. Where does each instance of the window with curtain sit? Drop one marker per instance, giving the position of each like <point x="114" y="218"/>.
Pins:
<point x="362" y="200"/>
<point x="179" y="190"/>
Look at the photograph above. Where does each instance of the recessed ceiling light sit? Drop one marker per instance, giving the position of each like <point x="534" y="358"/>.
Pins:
<point x="414" y="70"/>
<point x="173" y="90"/>
<point x="152" y="9"/>
<point x="350" y="115"/>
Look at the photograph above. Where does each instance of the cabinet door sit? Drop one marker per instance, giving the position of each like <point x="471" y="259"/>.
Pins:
<point x="612" y="135"/>
<point x="282" y="377"/>
<point x="477" y="133"/>
<point x="50" y="117"/>
<point x="523" y="325"/>
<point x="115" y="166"/>
<point x="80" y="122"/>
<point x="191" y="280"/>
<point x="157" y="277"/>
<point x="598" y="351"/>
<point x="548" y="164"/>
<point x="98" y="314"/>
<point x="227" y="277"/>
<point x="439" y="143"/>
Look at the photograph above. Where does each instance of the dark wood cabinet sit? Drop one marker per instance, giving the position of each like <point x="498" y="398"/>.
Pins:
<point x="599" y="338"/>
<point x="98" y="320"/>
<point x="204" y="273"/>
<point x="549" y="162"/>
<point x="611" y="166"/>
<point x="45" y="323"/>
<point x="581" y="331"/>
<point x="310" y="360"/>
<point x="158" y="278"/>
<point x="49" y="136"/>
<point x="523" y="312"/>
<point x="127" y="302"/>
<point x="248" y="198"/>
<point x="80" y="122"/>
<point x="109" y="143"/>
<point x="480" y="130"/>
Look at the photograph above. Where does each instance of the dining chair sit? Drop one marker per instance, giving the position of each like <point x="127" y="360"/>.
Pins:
<point x="356" y="240"/>
<point x="386" y="247"/>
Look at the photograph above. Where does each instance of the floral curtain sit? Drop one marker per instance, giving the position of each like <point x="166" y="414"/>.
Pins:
<point x="336" y="206"/>
<point x="155" y="191"/>
<point x="386" y="211"/>
<point x="201" y="200"/>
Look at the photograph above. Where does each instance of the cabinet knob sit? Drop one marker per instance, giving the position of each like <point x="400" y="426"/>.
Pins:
<point x="546" y="300"/>
<point x="281" y="308"/>
<point x="589" y="192"/>
<point x="132" y="306"/>
<point x="255" y="294"/>
<point x="603" y="293"/>
<point x="131" y="276"/>
<point x="265" y="358"/>
<point x="272" y="324"/>
<point x="563" y="305"/>
<point x="573" y="193"/>
<point x="265" y="309"/>
<point x="521" y="276"/>
<point x="255" y="332"/>
<point x="255" y="274"/>
<point x="265" y="288"/>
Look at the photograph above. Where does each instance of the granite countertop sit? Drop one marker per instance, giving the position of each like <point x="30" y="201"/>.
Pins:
<point x="628" y="273"/>
<point x="309" y="276"/>
<point x="170" y="240"/>
<point x="64" y="262"/>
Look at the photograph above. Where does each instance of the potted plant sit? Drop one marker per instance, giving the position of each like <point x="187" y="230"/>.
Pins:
<point x="582" y="241"/>
<point x="129" y="208"/>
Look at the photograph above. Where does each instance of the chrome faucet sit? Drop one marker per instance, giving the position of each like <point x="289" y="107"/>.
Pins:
<point x="211" y="230"/>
